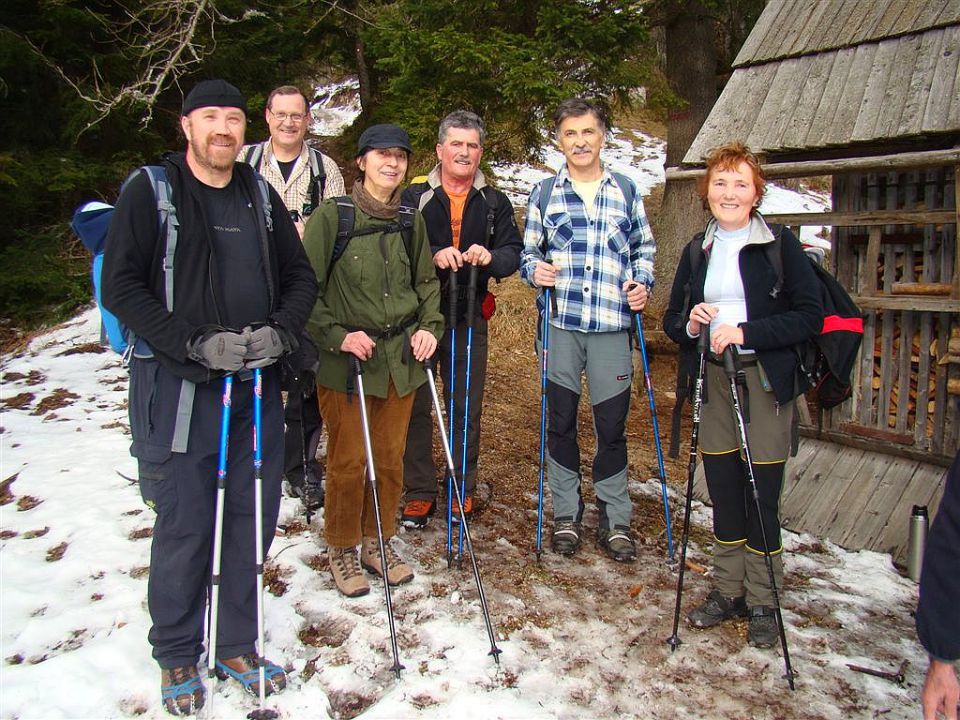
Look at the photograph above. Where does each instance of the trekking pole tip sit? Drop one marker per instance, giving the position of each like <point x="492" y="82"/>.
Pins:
<point x="674" y="642"/>
<point x="495" y="652"/>
<point x="262" y="714"/>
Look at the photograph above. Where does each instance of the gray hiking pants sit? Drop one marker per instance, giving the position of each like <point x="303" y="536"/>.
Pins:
<point x="605" y="358"/>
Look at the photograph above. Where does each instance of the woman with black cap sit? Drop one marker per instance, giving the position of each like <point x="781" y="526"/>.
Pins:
<point x="379" y="301"/>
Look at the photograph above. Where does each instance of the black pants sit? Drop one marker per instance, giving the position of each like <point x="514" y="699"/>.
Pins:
<point x="419" y="469"/>
<point x="303" y="422"/>
<point x="181" y="488"/>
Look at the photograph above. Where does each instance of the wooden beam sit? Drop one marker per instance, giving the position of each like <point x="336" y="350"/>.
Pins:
<point x="872" y="163"/>
<point x="866" y="218"/>
<point x="915" y="288"/>
<point x="956" y="255"/>
<point x="902" y="302"/>
<point x="871" y="444"/>
<point x="868" y="267"/>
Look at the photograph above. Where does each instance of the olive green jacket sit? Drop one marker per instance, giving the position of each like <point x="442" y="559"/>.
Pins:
<point x="369" y="288"/>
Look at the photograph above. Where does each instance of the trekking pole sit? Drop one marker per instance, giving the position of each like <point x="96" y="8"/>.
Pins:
<point x="464" y="525"/>
<point x="303" y="460"/>
<point x="703" y="347"/>
<point x="218" y="537"/>
<point x="656" y="430"/>
<point x="732" y="371"/>
<point x="451" y="388"/>
<point x="261" y="713"/>
<point x="471" y="311"/>
<point x="549" y="306"/>
<point x="372" y="476"/>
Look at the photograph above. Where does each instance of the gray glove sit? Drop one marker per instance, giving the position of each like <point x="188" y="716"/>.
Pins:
<point x="220" y="351"/>
<point x="264" y="347"/>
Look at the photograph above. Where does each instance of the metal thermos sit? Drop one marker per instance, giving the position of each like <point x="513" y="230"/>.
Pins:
<point x="917" y="541"/>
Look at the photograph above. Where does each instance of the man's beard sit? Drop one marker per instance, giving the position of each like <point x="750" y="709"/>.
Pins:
<point x="218" y="158"/>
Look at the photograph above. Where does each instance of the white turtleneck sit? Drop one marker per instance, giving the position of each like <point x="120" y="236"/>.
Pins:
<point x="723" y="286"/>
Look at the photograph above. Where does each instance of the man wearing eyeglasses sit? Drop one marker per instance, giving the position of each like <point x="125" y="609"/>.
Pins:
<point x="303" y="176"/>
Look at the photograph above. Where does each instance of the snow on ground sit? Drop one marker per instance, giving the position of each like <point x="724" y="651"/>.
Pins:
<point x="581" y="638"/>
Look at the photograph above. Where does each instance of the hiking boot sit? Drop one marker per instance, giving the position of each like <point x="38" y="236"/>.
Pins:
<point x="398" y="572"/>
<point x="467" y="508"/>
<point x="181" y="690"/>
<point x="309" y="490"/>
<point x="566" y="537"/>
<point x="245" y="669"/>
<point x="416" y="513"/>
<point x="717" y="608"/>
<point x="346" y="572"/>
<point x="763" y="631"/>
<point x="618" y="543"/>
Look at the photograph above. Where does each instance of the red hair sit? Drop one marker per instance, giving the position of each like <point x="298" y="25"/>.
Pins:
<point x="730" y="157"/>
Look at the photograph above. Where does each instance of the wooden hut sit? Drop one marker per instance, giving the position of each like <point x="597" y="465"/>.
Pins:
<point x="869" y="94"/>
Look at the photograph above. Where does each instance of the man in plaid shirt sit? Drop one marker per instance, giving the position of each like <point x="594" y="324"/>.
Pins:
<point x="592" y="245"/>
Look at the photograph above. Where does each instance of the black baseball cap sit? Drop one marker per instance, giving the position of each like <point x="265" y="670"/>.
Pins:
<point x="213" y="93"/>
<point x="385" y="135"/>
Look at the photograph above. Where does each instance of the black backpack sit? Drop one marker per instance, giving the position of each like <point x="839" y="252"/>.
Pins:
<point x="346" y="216"/>
<point x="826" y="361"/>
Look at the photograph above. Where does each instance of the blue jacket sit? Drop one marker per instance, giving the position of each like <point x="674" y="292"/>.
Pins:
<point x="938" y="613"/>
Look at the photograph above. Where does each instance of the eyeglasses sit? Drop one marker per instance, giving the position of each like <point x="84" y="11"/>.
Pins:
<point x="292" y="117"/>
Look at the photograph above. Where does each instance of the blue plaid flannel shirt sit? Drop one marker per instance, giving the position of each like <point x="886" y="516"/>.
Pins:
<point x="595" y="256"/>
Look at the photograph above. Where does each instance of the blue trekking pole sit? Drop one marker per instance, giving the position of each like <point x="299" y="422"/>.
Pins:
<point x="471" y="310"/>
<point x="261" y="713"/>
<point x="549" y="306"/>
<point x="451" y="387"/>
<point x="218" y="536"/>
<point x="656" y="430"/>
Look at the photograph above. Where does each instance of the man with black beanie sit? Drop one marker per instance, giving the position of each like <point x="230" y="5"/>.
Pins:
<point x="232" y="297"/>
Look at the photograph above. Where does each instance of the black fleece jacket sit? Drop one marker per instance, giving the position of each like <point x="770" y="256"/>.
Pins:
<point x="938" y="613"/>
<point x="504" y="246"/>
<point x="133" y="284"/>
<point x="774" y="324"/>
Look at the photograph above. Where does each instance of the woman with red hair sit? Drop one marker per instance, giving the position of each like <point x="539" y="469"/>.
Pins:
<point x="734" y="294"/>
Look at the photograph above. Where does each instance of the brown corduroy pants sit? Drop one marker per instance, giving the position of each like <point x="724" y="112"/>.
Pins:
<point x="348" y="508"/>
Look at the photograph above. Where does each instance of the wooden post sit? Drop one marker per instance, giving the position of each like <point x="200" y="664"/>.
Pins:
<point x="956" y="254"/>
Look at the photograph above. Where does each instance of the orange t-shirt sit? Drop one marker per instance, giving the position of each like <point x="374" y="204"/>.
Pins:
<point x="457" y="202"/>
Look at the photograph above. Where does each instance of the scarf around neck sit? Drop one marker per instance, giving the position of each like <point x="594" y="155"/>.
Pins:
<point x="373" y="207"/>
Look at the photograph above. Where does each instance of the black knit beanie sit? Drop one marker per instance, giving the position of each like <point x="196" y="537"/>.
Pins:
<point x="213" y="93"/>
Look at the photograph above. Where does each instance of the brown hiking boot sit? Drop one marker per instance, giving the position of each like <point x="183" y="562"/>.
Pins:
<point x="346" y="572"/>
<point x="245" y="669"/>
<point x="398" y="572"/>
<point x="181" y="690"/>
<point x="717" y="609"/>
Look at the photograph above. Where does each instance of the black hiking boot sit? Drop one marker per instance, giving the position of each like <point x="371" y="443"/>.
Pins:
<point x="566" y="536"/>
<point x="763" y="631"/>
<point x="309" y="490"/>
<point x="716" y="609"/>
<point x="618" y="543"/>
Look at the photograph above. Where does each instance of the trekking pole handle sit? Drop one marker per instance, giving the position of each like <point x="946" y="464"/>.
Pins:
<point x="452" y="289"/>
<point x="472" y="292"/>
<point x="355" y="364"/>
<point x="730" y="362"/>
<point x="703" y="341"/>
<point x="428" y="363"/>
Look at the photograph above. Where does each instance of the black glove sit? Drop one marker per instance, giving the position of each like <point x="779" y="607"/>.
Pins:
<point x="219" y="350"/>
<point x="264" y="347"/>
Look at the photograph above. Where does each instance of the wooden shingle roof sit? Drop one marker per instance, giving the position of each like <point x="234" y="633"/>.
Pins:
<point x="819" y="74"/>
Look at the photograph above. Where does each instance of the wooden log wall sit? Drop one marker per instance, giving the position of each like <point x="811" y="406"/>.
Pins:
<point x="903" y="277"/>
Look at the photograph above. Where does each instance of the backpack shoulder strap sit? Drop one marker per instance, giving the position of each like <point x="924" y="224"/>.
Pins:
<point x="346" y="215"/>
<point x="546" y="190"/>
<point x="490" y="198"/>
<point x="774" y="253"/>
<point x="254" y="156"/>
<point x="167" y="213"/>
<point x="318" y="176"/>
<point x="405" y="216"/>
<point x="265" y="199"/>
<point x="627" y="188"/>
